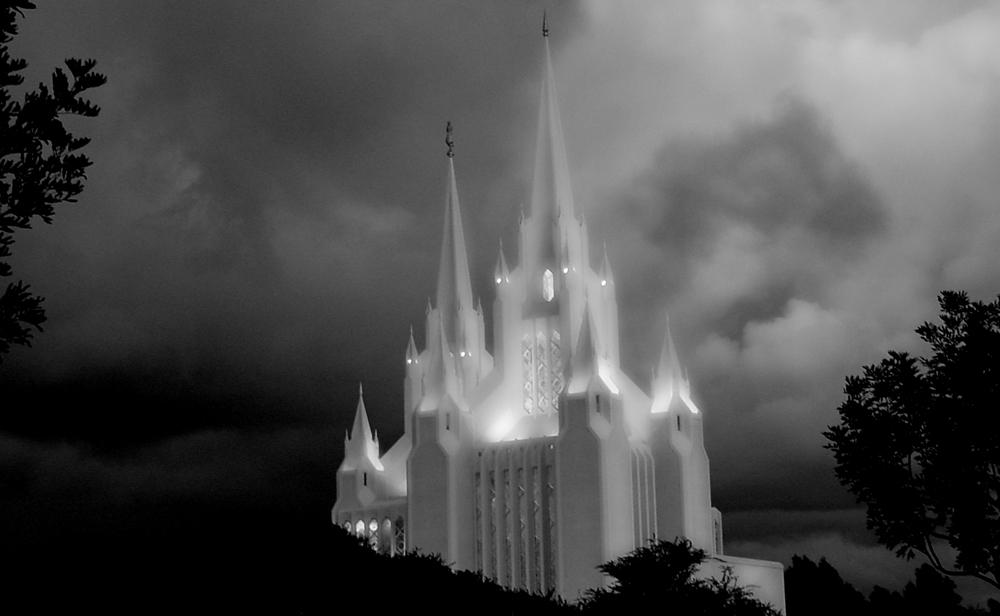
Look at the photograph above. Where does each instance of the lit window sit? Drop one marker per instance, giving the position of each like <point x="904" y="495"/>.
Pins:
<point x="499" y="280"/>
<point x="386" y="542"/>
<point x="565" y="270"/>
<point x="461" y="353"/>
<point x="359" y="528"/>
<point x="604" y="283"/>
<point x="548" y="286"/>
<point x="408" y="361"/>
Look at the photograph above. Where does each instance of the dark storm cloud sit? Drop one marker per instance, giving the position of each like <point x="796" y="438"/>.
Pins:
<point x="262" y="221"/>
<point x="268" y="181"/>
<point x="784" y="185"/>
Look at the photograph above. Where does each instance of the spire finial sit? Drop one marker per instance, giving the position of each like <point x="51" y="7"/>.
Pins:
<point x="545" y="25"/>
<point x="448" y="141"/>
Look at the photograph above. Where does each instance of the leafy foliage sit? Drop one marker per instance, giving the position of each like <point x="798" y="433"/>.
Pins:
<point x="919" y="442"/>
<point x="816" y="589"/>
<point x="41" y="163"/>
<point x="661" y="575"/>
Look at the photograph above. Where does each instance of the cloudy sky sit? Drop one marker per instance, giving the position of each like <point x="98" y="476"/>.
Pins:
<point x="794" y="181"/>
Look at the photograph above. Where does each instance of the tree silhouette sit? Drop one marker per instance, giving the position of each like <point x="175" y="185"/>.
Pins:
<point x="661" y="576"/>
<point x="919" y="443"/>
<point x="41" y="165"/>
<point x="817" y="589"/>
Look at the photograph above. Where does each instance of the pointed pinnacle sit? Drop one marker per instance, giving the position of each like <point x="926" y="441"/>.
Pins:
<point x="448" y="141"/>
<point x="545" y="24"/>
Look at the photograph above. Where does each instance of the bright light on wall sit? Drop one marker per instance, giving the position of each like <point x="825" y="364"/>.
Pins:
<point x="548" y="286"/>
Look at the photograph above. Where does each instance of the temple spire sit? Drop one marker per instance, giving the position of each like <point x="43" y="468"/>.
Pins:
<point x="448" y="141"/>
<point x="362" y="443"/>
<point x="454" y="288"/>
<point x="606" y="275"/>
<point x="501" y="273"/>
<point x="412" y="356"/>
<point x="551" y="205"/>
<point x="361" y="428"/>
<point x="669" y="365"/>
<point x="585" y="360"/>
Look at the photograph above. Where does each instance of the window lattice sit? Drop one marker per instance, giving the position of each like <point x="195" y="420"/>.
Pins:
<point x="399" y="535"/>
<point x="542" y="371"/>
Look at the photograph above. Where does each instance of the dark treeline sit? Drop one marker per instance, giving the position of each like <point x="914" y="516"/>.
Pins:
<point x="816" y="589"/>
<point x="249" y="564"/>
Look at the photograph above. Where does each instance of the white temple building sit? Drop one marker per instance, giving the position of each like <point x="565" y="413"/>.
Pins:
<point x="538" y="459"/>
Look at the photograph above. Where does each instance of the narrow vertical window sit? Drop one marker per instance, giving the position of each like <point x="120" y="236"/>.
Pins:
<point x="508" y="526"/>
<point x="385" y="541"/>
<point x="477" y="492"/>
<point x="399" y="533"/>
<point x="491" y="544"/>
<point x="522" y="531"/>
<point x="373" y="534"/>
<point x="364" y="478"/>
<point x="678" y="422"/>
<point x="548" y="286"/>
<point x="553" y="513"/>
<point x="536" y="536"/>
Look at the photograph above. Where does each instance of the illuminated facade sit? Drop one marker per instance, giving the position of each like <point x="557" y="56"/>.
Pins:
<point x="537" y="460"/>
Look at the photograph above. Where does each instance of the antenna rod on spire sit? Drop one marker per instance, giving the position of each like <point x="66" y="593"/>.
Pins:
<point x="545" y="25"/>
<point x="448" y="141"/>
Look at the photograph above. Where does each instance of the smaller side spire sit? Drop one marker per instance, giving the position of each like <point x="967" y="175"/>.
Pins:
<point x="607" y="278"/>
<point x="412" y="356"/>
<point x="362" y="444"/>
<point x="361" y="428"/>
<point x="585" y="353"/>
<point x="669" y="364"/>
<point x="501" y="273"/>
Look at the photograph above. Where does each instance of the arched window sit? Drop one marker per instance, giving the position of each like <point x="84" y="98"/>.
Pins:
<point x="347" y="525"/>
<point x="399" y="535"/>
<point x="373" y="533"/>
<point x="359" y="528"/>
<point x="548" y="286"/>
<point x="385" y="541"/>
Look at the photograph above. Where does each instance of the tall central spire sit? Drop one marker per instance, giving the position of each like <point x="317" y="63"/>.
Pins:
<point x="454" y="288"/>
<point x="551" y="194"/>
<point x="550" y="235"/>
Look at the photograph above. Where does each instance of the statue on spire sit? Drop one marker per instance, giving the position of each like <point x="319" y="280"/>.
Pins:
<point x="545" y="25"/>
<point x="448" y="141"/>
